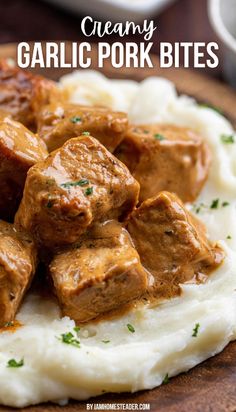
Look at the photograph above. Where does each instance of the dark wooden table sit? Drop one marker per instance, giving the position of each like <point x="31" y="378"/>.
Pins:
<point x="25" y="20"/>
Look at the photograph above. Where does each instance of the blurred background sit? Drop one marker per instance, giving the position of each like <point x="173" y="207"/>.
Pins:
<point x="27" y="20"/>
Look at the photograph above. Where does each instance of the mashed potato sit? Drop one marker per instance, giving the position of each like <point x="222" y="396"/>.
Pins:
<point x="110" y="357"/>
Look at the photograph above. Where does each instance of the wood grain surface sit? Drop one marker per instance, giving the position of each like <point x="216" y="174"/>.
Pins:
<point x="211" y="386"/>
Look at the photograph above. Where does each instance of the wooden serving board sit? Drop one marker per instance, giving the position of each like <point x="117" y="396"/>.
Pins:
<point x="211" y="386"/>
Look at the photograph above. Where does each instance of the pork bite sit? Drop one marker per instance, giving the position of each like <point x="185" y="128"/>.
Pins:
<point x="172" y="244"/>
<point x="59" y="122"/>
<point x="101" y="273"/>
<point x="22" y="94"/>
<point x="166" y="157"/>
<point x="17" y="267"/>
<point x="19" y="150"/>
<point x="77" y="185"/>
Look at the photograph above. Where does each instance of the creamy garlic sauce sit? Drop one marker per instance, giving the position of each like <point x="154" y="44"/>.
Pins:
<point x="162" y="342"/>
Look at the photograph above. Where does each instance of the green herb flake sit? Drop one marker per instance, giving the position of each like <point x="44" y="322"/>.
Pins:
<point x="49" y="204"/>
<point x="81" y="182"/>
<point x="76" y="119"/>
<point x="9" y="324"/>
<point x="198" y="208"/>
<point x="166" y="379"/>
<point x="210" y="106"/>
<point x="215" y="204"/>
<point x="12" y="363"/>
<point x="85" y="134"/>
<point x="195" y="330"/>
<point x="159" y="137"/>
<point x="76" y="329"/>
<point x="69" y="339"/>
<point x="106" y="341"/>
<point x="229" y="237"/>
<point x="227" y="139"/>
<point x="130" y="328"/>
<point x="89" y="191"/>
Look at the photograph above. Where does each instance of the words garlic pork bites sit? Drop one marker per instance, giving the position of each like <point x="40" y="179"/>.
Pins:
<point x="101" y="273"/>
<point x="22" y="94"/>
<point x="172" y="244"/>
<point x="166" y="157"/>
<point x="18" y="259"/>
<point x="77" y="185"/>
<point x="19" y="150"/>
<point x="59" y="122"/>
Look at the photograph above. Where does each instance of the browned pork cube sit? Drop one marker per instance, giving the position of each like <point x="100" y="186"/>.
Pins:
<point x="17" y="267"/>
<point x="59" y="122"/>
<point x="103" y="273"/>
<point x="19" y="150"/>
<point x="165" y="157"/>
<point x="78" y="184"/>
<point x="22" y="94"/>
<point x="172" y="244"/>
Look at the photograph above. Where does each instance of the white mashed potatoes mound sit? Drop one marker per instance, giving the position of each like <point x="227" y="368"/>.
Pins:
<point x="111" y="358"/>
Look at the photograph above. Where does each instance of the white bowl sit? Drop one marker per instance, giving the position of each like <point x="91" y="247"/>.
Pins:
<point x="115" y="10"/>
<point x="222" y="14"/>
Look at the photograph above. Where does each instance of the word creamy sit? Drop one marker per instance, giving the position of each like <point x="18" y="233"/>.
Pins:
<point x="122" y="29"/>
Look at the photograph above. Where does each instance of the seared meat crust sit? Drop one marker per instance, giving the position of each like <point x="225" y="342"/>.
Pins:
<point x="59" y="122"/>
<point x="17" y="266"/>
<point x="101" y="273"/>
<point x="19" y="150"/>
<point x="172" y="244"/>
<point x="77" y="185"/>
<point x="166" y="157"/>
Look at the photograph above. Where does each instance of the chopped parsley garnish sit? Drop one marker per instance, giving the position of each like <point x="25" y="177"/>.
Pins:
<point x="209" y="106"/>
<point x="106" y="341"/>
<point x="82" y="182"/>
<point x="76" y="329"/>
<point x="166" y="379"/>
<point x="9" y="324"/>
<point x="130" y="328"/>
<point x="12" y="363"/>
<point x="159" y="137"/>
<point x="197" y="208"/>
<point x="195" y="330"/>
<point x="229" y="237"/>
<point x="49" y="204"/>
<point x="85" y="134"/>
<point x="227" y="138"/>
<point x="89" y="191"/>
<point x="76" y="119"/>
<point x="69" y="339"/>
<point x="215" y="204"/>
